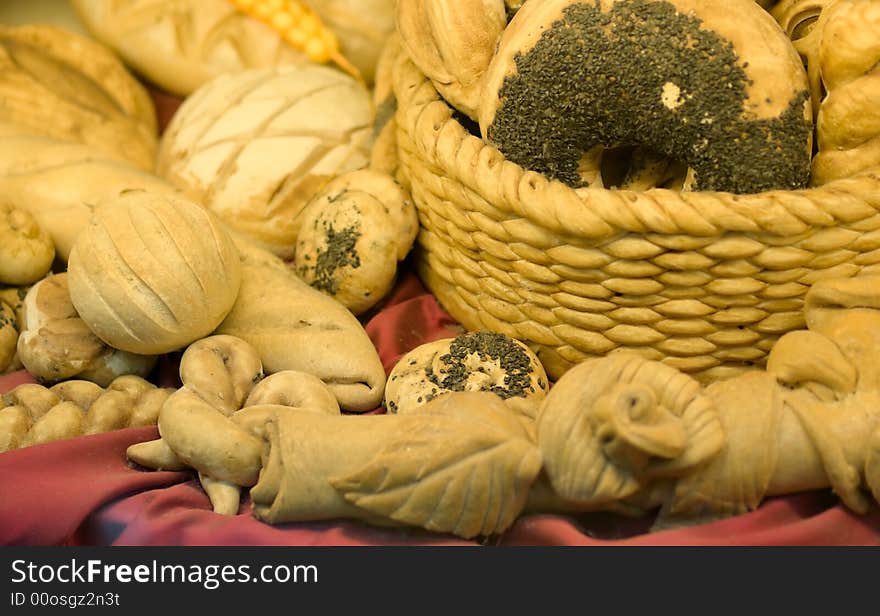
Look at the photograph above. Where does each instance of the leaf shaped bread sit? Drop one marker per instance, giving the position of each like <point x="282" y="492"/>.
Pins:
<point x="447" y="477"/>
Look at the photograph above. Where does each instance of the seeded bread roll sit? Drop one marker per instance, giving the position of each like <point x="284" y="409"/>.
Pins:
<point x="255" y="146"/>
<point x="715" y="84"/>
<point x="182" y="45"/>
<point x="66" y="86"/>
<point x="151" y="274"/>
<point x="476" y="361"/>
<point x="354" y="232"/>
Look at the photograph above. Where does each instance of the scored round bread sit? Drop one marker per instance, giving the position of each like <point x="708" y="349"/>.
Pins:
<point x="255" y="146"/>
<point x="152" y="273"/>
<point x="66" y="86"/>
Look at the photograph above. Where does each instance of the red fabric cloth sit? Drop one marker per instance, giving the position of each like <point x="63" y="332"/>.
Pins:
<point x="82" y="491"/>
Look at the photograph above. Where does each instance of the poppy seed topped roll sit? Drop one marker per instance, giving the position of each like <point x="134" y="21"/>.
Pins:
<point x="714" y="84"/>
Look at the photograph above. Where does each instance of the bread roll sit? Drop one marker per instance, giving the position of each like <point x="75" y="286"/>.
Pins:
<point x="181" y="45"/>
<point x="60" y="183"/>
<point x="256" y="145"/>
<point x="151" y="274"/>
<point x="66" y="86"/>
<point x="295" y="327"/>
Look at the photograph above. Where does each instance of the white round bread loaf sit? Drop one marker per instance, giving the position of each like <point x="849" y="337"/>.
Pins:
<point x="152" y="273"/>
<point x="255" y="146"/>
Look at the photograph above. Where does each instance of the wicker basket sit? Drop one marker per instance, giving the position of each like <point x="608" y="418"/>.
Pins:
<point x="705" y="282"/>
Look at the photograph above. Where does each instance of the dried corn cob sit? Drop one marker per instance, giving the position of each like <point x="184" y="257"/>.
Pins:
<point x="301" y="27"/>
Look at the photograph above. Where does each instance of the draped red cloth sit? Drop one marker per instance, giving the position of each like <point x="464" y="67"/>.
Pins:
<point x="82" y="491"/>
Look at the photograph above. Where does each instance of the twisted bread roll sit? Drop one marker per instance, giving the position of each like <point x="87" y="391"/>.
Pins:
<point x="66" y="86"/>
<point x="11" y="325"/>
<point x="55" y="344"/>
<point x="215" y="423"/>
<point x="33" y="414"/>
<point x="8" y="336"/>
<point x="848" y="124"/>
<point x="452" y="42"/>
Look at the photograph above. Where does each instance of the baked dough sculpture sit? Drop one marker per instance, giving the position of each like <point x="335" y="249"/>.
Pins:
<point x="56" y="345"/>
<point x="215" y="423"/>
<point x="293" y="326"/>
<point x="620" y="433"/>
<point x="152" y="273"/>
<point x="353" y="234"/>
<point x="473" y="361"/>
<point x="255" y="146"/>
<point x="33" y="414"/>
<point x="63" y="85"/>
<point x="626" y="432"/>
<point x="181" y="45"/>
<point x="60" y="183"/>
<point x="460" y="464"/>
<point x="715" y="84"/>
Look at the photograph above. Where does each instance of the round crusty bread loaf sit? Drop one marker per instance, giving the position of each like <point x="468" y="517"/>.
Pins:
<point x="182" y="45"/>
<point x="151" y="273"/>
<point x="66" y="86"/>
<point x="255" y="146"/>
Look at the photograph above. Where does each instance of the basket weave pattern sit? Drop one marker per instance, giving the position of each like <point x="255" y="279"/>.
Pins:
<point x="705" y="282"/>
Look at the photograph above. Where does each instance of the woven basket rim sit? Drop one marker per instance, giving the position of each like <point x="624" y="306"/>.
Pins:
<point x="599" y="213"/>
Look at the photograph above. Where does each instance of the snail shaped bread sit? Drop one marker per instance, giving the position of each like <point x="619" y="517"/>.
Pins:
<point x="63" y="85"/>
<point x="255" y="146"/>
<point x="474" y="361"/>
<point x="714" y="84"/>
<point x="32" y="414"/>
<point x="56" y="345"/>
<point x="353" y="234"/>
<point x="153" y="273"/>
